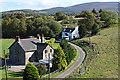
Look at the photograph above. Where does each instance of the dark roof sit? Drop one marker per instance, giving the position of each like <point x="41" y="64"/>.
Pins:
<point x="29" y="44"/>
<point x="42" y="45"/>
<point x="69" y="30"/>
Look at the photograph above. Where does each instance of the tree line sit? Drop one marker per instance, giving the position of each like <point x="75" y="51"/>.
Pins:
<point x="93" y="21"/>
<point x="24" y="25"/>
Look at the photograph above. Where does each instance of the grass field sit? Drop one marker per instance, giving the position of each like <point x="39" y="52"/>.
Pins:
<point x="11" y="74"/>
<point x="105" y="64"/>
<point x="6" y="43"/>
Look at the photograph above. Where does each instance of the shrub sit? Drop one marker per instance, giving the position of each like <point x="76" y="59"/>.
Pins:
<point x="30" y="72"/>
<point x="42" y="69"/>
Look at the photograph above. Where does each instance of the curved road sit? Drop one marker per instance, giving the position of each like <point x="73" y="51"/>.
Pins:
<point x="75" y="65"/>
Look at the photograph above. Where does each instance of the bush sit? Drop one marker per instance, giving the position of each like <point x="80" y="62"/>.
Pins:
<point x="42" y="69"/>
<point x="70" y="52"/>
<point x="30" y="72"/>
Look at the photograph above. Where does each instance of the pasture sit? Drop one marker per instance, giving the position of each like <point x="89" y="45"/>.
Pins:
<point x="105" y="64"/>
<point x="5" y="44"/>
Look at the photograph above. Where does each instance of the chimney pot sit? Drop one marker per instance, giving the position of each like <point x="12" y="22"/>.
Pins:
<point x="18" y="39"/>
<point x="42" y="38"/>
<point x="38" y="36"/>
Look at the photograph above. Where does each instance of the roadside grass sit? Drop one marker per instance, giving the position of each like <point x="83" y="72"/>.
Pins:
<point x="105" y="64"/>
<point x="58" y="73"/>
<point x="72" y="62"/>
<point x="6" y="43"/>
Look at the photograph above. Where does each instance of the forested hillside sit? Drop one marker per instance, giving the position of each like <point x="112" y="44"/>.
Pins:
<point x="25" y="24"/>
<point x="72" y="9"/>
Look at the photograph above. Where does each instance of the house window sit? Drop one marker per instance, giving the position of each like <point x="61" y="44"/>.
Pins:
<point x="45" y="55"/>
<point x="45" y="51"/>
<point x="66" y="34"/>
<point x="50" y="50"/>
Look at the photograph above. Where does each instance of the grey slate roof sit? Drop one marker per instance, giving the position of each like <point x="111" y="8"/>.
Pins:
<point x="29" y="44"/>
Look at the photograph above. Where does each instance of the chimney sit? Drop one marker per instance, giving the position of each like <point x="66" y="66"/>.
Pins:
<point x="38" y="37"/>
<point x="42" y="38"/>
<point x="18" y="39"/>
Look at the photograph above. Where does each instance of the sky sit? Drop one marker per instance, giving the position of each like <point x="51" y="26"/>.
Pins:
<point x="6" y="5"/>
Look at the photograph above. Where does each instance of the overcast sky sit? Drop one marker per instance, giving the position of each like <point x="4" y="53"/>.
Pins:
<point x="6" y="5"/>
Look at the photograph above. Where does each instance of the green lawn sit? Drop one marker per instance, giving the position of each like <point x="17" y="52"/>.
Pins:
<point x="6" y="43"/>
<point x="11" y="74"/>
<point x="105" y="64"/>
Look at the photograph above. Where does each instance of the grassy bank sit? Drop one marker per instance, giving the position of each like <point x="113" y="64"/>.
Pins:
<point x="105" y="64"/>
<point x="11" y="74"/>
<point x="5" y="43"/>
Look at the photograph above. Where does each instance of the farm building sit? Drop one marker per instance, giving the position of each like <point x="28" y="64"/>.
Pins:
<point x="30" y="49"/>
<point x="70" y="33"/>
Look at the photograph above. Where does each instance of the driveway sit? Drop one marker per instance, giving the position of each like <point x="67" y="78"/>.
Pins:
<point x="75" y="65"/>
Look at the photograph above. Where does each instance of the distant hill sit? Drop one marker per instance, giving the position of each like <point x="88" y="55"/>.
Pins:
<point x="86" y="6"/>
<point x="76" y="8"/>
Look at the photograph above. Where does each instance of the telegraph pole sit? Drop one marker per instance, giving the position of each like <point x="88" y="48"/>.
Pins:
<point x="5" y="65"/>
<point x="49" y="66"/>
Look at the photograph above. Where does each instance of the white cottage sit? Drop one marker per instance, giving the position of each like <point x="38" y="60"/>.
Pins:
<point x="31" y="49"/>
<point x="70" y="33"/>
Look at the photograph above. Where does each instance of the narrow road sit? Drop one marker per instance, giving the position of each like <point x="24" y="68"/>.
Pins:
<point x="75" y="65"/>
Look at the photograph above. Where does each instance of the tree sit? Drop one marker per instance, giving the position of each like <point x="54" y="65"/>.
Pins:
<point x="82" y="30"/>
<point x="110" y="17"/>
<point x="30" y="72"/>
<point x="59" y="60"/>
<point x="94" y="11"/>
<point x="100" y="10"/>
<point x="42" y="69"/>
<point x="43" y="30"/>
<point x="55" y="26"/>
<point x="69" y="51"/>
<point x="95" y="29"/>
<point x="60" y="16"/>
<point x="89" y="20"/>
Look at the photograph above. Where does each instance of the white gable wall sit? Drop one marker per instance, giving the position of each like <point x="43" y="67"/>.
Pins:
<point x="48" y="48"/>
<point x="75" y="33"/>
<point x="27" y="56"/>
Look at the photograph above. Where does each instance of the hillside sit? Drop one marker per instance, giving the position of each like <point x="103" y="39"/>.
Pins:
<point x="105" y="64"/>
<point x="86" y="6"/>
<point x="75" y="9"/>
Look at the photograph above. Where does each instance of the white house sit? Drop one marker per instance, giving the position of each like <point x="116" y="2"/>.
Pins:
<point x="70" y="33"/>
<point x="30" y="49"/>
